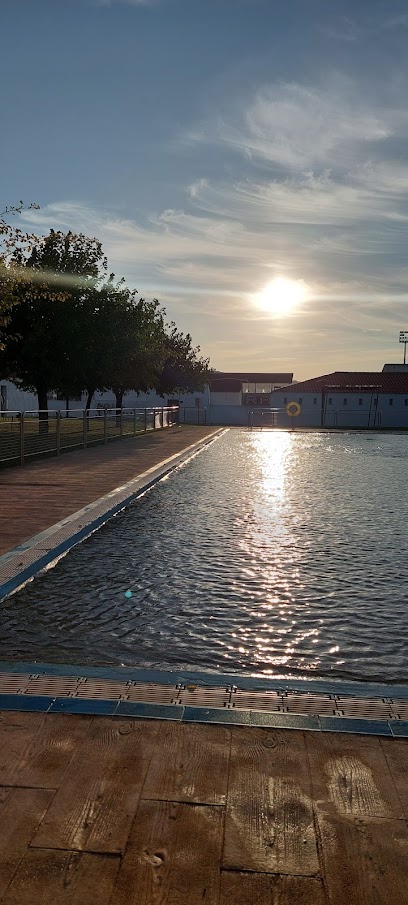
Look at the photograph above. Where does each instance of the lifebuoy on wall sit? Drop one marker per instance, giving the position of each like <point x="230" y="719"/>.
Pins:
<point x="293" y="409"/>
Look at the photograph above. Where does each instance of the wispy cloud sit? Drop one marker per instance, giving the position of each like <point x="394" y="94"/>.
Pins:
<point x="299" y="126"/>
<point x="323" y="198"/>
<point x="350" y="30"/>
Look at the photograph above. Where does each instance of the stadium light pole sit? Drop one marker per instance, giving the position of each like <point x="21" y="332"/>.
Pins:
<point x="403" y="338"/>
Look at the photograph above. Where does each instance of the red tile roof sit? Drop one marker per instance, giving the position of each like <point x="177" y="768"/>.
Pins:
<point x="252" y="377"/>
<point x="391" y="382"/>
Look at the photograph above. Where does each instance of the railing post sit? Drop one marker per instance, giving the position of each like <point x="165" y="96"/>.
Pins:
<point x="145" y="421"/>
<point x="205" y="415"/>
<point x="105" y="426"/>
<point x="58" y="433"/>
<point x="121" y="424"/>
<point x="85" y="425"/>
<point x="154" y="419"/>
<point x="162" y="417"/>
<point x="21" y="438"/>
<point x="134" y="422"/>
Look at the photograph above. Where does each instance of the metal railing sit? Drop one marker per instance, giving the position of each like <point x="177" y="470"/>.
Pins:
<point x="25" y="436"/>
<point x="352" y="418"/>
<point x="193" y="414"/>
<point x="260" y="418"/>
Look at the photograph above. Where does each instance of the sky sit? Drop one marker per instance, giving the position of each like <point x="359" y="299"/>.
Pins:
<point x="214" y="146"/>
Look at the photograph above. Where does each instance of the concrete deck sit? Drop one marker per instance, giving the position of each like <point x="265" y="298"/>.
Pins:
<point x="96" y="809"/>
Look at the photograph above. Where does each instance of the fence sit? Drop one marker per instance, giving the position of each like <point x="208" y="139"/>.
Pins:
<point x="268" y="418"/>
<point x="353" y="418"/>
<point x="193" y="414"/>
<point x="24" y="436"/>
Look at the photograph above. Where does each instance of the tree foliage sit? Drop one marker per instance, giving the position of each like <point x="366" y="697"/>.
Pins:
<point x="54" y="272"/>
<point x="11" y="278"/>
<point x="183" y="367"/>
<point x="67" y="326"/>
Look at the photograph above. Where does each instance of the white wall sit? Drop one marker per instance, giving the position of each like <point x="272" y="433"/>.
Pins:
<point x="310" y="408"/>
<point x="22" y="401"/>
<point x="218" y="398"/>
<point x="234" y="415"/>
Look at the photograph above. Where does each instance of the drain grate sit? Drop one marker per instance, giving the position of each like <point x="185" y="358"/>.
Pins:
<point x="108" y="691"/>
<point x="309" y="703"/>
<point x="13" y="684"/>
<point x="399" y="709"/>
<point x="53" y="686"/>
<point x="151" y="693"/>
<point x="379" y="708"/>
<point x="206" y="696"/>
<point x="270" y="701"/>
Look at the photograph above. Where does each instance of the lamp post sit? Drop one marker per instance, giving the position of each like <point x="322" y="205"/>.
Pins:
<point x="403" y="338"/>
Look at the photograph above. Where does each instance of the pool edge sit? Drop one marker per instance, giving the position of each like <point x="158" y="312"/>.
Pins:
<point x="39" y="550"/>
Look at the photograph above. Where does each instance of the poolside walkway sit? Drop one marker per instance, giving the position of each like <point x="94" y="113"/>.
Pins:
<point x="37" y="496"/>
<point x="98" y="809"/>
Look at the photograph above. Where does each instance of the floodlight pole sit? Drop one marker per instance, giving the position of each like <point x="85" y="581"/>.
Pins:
<point x="403" y="338"/>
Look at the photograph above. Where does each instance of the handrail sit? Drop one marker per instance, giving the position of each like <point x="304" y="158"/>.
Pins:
<point x="27" y="435"/>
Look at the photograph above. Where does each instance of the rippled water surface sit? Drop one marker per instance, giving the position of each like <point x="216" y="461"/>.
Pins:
<point x="273" y="553"/>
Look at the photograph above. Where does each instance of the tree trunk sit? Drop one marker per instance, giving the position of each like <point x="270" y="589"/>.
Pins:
<point x="42" y="409"/>
<point x="119" y="393"/>
<point x="91" y="393"/>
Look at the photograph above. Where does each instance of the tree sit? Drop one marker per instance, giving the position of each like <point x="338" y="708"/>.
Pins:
<point x="70" y="329"/>
<point x="55" y="272"/>
<point x="183" y="368"/>
<point x="125" y="341"/>
<point x="11" y="278"/>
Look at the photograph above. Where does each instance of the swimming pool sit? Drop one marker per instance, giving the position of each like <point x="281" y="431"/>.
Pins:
<point x="270" y="553"/>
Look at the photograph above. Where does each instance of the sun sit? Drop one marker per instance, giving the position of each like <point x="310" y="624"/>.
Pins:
<point x="281" y="296"/>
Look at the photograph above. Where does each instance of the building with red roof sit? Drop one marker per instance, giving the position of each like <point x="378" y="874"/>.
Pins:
<point x="346" y="399"/>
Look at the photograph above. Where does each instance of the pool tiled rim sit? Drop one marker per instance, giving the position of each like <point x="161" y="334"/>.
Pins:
<point x="304" y="704"/>
<point x="27" y="559"/>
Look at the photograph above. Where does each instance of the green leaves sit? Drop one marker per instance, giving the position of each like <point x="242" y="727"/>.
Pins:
<point x="68" y="327"/>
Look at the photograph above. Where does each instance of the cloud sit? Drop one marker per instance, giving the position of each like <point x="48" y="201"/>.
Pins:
<point x="298" y="126"/>
<point x="322" y="196"/>
<point x="349" y="30"/>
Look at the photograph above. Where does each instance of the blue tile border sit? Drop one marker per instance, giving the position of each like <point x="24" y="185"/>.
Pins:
<point x="26" y="702"/>
<point x="354" y="726"/>
<point x="399" y="728"/>
<point x="150" y="711"/>
<point x="284" y="720"/>
<point x="212" y="715"/>
<point x="84" y="705"/>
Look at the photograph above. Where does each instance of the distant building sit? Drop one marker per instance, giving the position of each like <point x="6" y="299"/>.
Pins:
<point x="233" y="393"/>
<point x="347" y="399"/>
<point x="227" y="398"/>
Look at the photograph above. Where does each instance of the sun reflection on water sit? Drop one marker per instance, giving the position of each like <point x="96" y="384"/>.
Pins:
<point x="267" y="554"/>
<point x="271" y="574"/>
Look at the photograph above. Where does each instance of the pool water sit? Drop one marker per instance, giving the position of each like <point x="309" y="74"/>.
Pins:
<point x="269" y="553"/>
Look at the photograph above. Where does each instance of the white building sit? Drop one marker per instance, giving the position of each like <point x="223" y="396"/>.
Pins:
<point x="227" y="399"/>
<point x="347" y="399"/>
